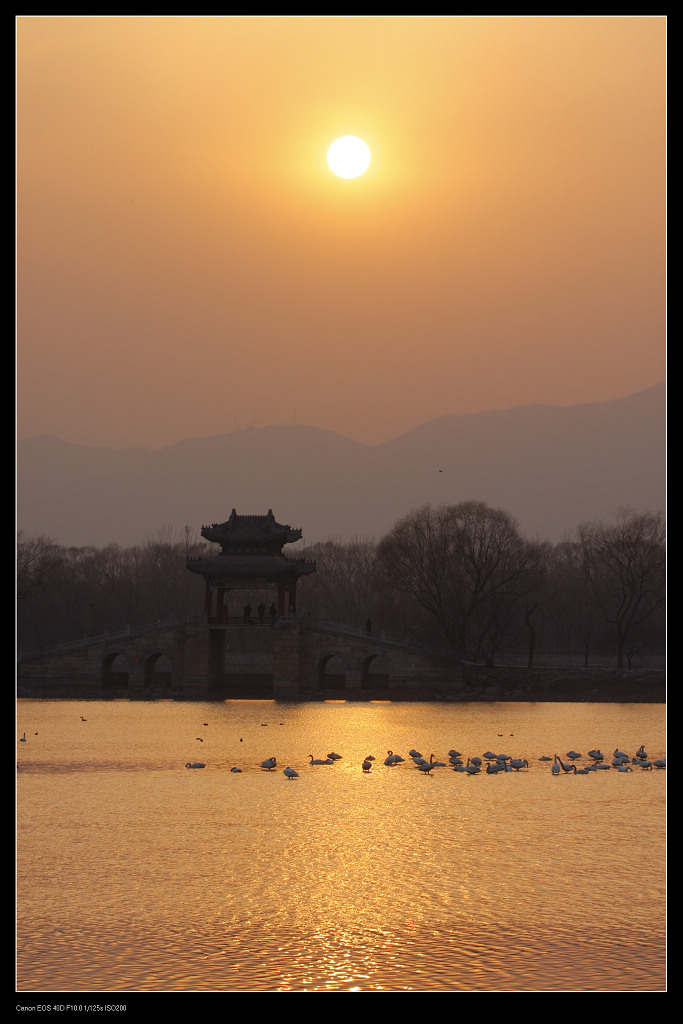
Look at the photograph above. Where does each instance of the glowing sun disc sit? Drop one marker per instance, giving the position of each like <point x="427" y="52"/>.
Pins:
<point x="348" y="157"/>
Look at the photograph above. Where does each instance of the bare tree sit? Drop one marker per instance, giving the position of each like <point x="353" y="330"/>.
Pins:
<point x="38" y="564"/>
<point x="467" y="567"/>
<point x="625" y="564"/>
<point x="570" y="601"/>
<point x="343" y="589"/>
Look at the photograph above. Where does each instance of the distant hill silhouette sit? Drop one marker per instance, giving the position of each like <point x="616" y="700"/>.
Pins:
<point x="550" y="467"/>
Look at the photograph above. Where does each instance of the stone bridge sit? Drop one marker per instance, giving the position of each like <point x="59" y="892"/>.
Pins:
<point x="217" y="659"/>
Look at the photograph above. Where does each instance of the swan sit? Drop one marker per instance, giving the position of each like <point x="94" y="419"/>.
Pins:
<point x="290" y="773"/>
<point x="370" y="757"/>
<point x="660" y="762"/>
<point x="415" y="753"/>
<point x="454" y="753"/>
<point x="646" y="765"/>
<point x="597" y="755"/>
<point x="426" y="766"/>
<point x="545" y="757"/>
<point x="624" y="768"/>
<point x="22" y="739"/>
<point x="269" y="763"/>
<point x="475" y="760"/>
<point x="195" y="764"/>
<point x="582" y="771"/>
<point x="472" y="769"/>
<point x="367" y="765"/>
<point x="565" y="767"/>
<point x="572" y="755"/>
<point x="518" y="763"/>
<point x="493" y="767"/>
<point x="327" y="760"/>
<point x="489" y="755"/>
<point x="555" y="767"/>
<point x="392" y="758"/>
<point x="335" y="757"/>
<point x="641" y="752"/>
<point x="235" y="769"/>
<point x="620" y="753"/>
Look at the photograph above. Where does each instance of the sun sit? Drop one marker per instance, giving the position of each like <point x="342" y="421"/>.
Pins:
<point x="348" y="157"/>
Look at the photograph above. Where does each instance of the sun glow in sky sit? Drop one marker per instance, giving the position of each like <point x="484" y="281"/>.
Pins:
<point x="188" y="264"/>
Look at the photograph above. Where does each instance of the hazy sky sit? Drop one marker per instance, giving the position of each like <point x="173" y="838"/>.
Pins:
<point x="189" y="265"/>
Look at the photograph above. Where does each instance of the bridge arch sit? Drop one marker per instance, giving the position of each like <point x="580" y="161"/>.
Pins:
<point x="375" y="672"/>
<point x="158" y="669"/>
<point x="115" y="670"/>
<point x="332" y="670"/>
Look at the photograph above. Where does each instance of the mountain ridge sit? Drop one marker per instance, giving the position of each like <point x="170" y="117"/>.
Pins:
<point x="551" y="467"/>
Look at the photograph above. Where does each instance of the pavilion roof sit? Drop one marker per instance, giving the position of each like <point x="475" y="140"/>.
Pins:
<point x="249" y="568"/>
<point x="251" y="532"/>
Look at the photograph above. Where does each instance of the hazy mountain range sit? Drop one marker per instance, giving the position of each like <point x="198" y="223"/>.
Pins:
<point x="550" y="467"/>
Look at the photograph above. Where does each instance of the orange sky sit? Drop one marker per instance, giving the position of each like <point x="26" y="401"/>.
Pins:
<point x="188" y="264"/>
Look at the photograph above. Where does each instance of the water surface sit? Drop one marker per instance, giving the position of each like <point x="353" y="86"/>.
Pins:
<point x="137" y="874"/>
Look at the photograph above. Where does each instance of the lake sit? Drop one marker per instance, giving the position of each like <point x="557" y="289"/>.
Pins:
<point x="136" y="874"/>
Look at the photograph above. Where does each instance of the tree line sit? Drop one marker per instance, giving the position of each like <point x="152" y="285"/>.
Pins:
<point x="461" y="577"/>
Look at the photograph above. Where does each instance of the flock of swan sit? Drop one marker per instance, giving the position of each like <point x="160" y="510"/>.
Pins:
<point x="489" y="763"/>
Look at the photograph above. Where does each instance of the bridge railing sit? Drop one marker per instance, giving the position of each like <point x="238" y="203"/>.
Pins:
<point x="127" y="633"/>
<point x="130" y="632"/>
<point x="384" y="636"/>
